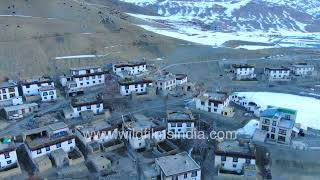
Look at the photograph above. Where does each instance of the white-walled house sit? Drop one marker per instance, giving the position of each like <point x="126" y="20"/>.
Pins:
<point x="9" y="94"/>
<point x="19" y="111"/>
<point x="233" y="157"/>
<point x="277" y="74"/>
<point x="131" y="68"/>
<point x="302" y="69"/>
<point x="278" y="124"/>
<point x="246" y="103"/>
<point x="95" y="105"/>
<point x="180" y="124"/>
<point x="8" y="90"/>
<point x="8" y="156"/>
<point x="243" y="71"/>
<point x="82" y="77"/>
<point x="165" y="82"/>
<point x="138" y="86"/>
<point x="48" y="93"/>
<point x="181" y="79"/>
<point x="43" y="140"/>
<point x="99" y="132"/>
<point x="31" y="87"/>
<point x="177" y="167"/>
<point x="142" y="131"/>
<point x="213" y="102"/>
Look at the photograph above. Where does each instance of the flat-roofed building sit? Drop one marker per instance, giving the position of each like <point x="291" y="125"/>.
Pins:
<point x="19" y="111"/>
<point x="31" y="87"/>
<point x="181" y="79"/>
<point x="142" y="131"/>
<point x="243" y="71"/>
<point x="97" y="132"/>
<point x="43" y="140"/>
<point x="79" y="105"/>
<point x="82" y="77"/>
<point x="232" y="156"/>
<point x="179" y="166"/>
<point x="278" y="123"/>
<point x="165" y="82"/>
<point x="131" y="68"/>
<point x="277" y="74"/>
<point x="8" y="90"/>
<point x="214" y="102"/>
<point x="8" y="156"/>
<point x="180" y="124"/>
<point x="129" y="86"/>
<point x="302" y="69"/>
<point x="48" y="93"/>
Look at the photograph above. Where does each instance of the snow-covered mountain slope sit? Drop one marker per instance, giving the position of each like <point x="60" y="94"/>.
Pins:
<point x="269" y="23"/>
<point x="244" y="15"/>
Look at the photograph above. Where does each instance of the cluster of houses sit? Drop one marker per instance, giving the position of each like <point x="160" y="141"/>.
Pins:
<point x="53" y="143"/>
<point x="50" y="142"/>
<point x="134" y="79"/>
<point x="17" y="100"/>
<point x="248" y="72"/>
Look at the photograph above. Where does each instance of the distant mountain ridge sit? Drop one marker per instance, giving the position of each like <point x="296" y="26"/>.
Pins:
<point x="240" y="15"/>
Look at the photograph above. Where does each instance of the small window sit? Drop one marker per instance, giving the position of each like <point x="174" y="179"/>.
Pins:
<point x="88" y="107"/>
<point x="235" y="159"/>
<point x="248" y="161"/>
<point x="39" y="151"/>
<point x="48" y="148"/>
<point x="98" y="105"/>
<point x="9" y="162"/>
<point x="194" y="173"/>
<point x="58" y="145"/>
<point x="81" y="79"/>
<point x="185" y="175"/>
<point x="223" y="158"/>
<point x="70" y="141"/>
<point x="234" y="165"/>
<point x="6" y="155"/>
<point x="274" y="123"/>
<point x="78" y="108"/>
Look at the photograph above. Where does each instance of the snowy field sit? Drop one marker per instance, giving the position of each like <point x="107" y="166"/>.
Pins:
<point x="80" y="56"/>
<point x="308" y="108"/>
<point x="249" y="129"/>
<point x="175" y="27"/>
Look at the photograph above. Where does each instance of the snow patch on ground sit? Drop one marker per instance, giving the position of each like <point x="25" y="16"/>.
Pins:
<point x="175" y="27"/>
<point x="249" y="129"/>
<point x="308" y="108"/>
<point x="80" y="56"/>
<point x="23" y="16"/>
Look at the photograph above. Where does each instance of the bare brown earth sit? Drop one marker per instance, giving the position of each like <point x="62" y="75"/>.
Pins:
<point x="54" y="28"/>
<point x="65" y="28"/>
